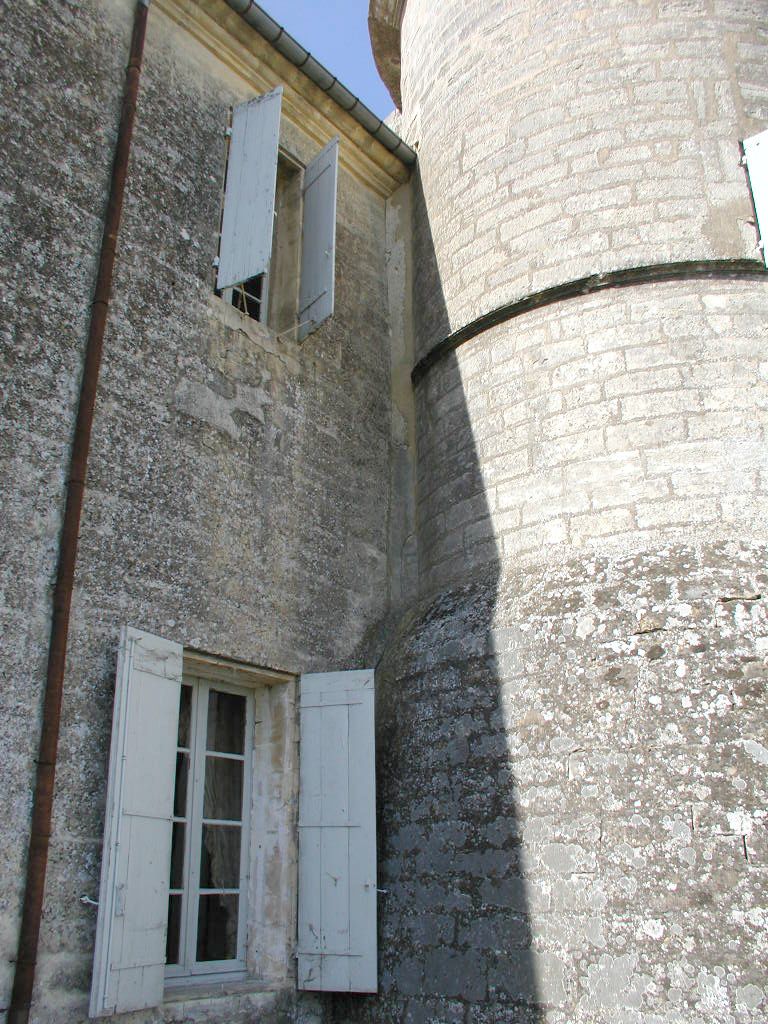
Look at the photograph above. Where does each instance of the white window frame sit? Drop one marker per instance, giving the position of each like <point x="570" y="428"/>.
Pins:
<point x="190" y="969"/>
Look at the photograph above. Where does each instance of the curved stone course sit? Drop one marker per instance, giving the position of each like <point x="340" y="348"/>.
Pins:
<point x="619" y="414"/>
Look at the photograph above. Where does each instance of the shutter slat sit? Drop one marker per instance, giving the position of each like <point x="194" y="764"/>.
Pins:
<point x="129" y="955"/>
<point x="756" y="152"/>
<point x="318" y="240"/>
<point x="249" y="199"/>
<point x="335" y="765"/>
<point x="337" y="834"/>
<point x="362" y="923"/>
<point x="335" y="890"/>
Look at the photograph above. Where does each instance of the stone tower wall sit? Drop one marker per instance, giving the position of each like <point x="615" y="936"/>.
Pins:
<point x="573" y="746"/>
<point x="558" y="140"/>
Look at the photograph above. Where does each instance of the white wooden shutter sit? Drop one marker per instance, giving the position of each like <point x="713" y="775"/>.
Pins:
<point x="756" y="153"/>
<point x="337" y="833"/>
<point x="129" y="958"/>
<point x="318" y="239"/>
<point x="249" y="198"/>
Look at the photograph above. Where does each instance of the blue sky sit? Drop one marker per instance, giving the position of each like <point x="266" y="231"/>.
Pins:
<point x="336" y="33"/>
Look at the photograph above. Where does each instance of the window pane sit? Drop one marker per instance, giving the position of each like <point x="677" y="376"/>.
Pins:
<point x="217" y="927"/>
<point x="220" y="857"/>
<point x="177" y="856"/>
<point x="185" y="714"/>
<point x="180" y="792"/>
<point x="223" y="789"/>
<point x="174" y="930"/>
<point x="226" y="722"/>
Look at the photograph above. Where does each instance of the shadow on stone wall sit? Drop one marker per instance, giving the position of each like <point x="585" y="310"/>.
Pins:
<point x="454" y="924"/>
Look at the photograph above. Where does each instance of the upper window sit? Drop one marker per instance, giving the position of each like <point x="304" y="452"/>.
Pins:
<point x="276" y="257"/>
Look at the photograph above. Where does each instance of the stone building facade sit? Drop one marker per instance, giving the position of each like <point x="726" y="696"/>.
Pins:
<point x="550" y="538"/>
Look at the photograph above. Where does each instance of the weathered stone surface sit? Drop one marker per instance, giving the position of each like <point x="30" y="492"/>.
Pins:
<point x="572" y="732"/>
<point x="590" y="856"/>
<point x="579" y="702"/>
<point x="238" y="490"/>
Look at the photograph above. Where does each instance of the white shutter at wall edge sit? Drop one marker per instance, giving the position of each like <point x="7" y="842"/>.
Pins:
<point x="318" y="240"/>
<point x="337" y="833"/>
<point x="129" y="956"/>
<point x="756" y="158"/>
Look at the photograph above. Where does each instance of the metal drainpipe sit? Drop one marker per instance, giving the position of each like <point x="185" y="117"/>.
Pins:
<point x="37" y="860"/>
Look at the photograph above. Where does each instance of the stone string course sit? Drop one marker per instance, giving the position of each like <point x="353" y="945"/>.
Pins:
<point x="611" y="416"/>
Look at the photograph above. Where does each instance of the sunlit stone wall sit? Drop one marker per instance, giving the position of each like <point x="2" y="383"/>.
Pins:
<point x="573" y="743"/>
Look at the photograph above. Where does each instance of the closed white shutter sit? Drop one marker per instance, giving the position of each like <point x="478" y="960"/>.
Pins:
<point x="756" y="152"/>
<point x="318" y="239"/>
<point x="337" y="833"/>
<point x="249" y="198"/>
<point x="129" y="958"/>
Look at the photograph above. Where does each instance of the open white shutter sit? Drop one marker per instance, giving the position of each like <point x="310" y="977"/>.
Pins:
<point x="318" y="239"/>
<point x="129" y="958"/>
<point x="337" y="833"/>
<point x="249" y="198"/>
<point x="756" y="153"/>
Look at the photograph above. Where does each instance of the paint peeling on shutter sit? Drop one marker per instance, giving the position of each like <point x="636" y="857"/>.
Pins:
<point x="756" y="153"/>
<point x="249" y="199"/>
<point x="337" y="834"/>
<point x="318" y="240"/>
<point x="129" y="956"/>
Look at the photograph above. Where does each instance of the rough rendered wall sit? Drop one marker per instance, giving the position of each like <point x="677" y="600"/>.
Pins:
<point x="573" y="720"/>
<point x="60" y="106"/>
<point x="237" y="494"/>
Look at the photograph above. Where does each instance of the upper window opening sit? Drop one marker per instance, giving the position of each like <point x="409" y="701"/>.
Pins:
<point x="276" y="258"/>
<point x="248" y="297"/>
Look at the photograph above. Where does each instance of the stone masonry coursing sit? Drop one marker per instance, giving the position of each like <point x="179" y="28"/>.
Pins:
<point x="572" y="742"/>
<point x="573" y="822"/>
<point x="573" y="734"/>
<point x="616" y="419"/>
<point x="559" y="140"/>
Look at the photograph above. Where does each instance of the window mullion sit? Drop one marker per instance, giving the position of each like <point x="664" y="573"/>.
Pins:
<point x="245" y="816"/>
<point x="195" y="821"/>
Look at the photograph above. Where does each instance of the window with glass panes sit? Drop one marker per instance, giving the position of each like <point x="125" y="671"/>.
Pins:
<point x="209" y="848"/>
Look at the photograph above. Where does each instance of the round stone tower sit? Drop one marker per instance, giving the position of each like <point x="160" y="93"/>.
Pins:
<point x="573" y="751"/>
